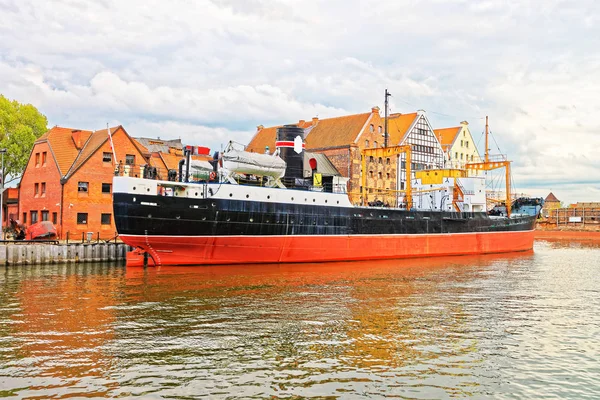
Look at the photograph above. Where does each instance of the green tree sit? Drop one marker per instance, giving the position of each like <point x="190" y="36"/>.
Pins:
<point x="20" y="126"/>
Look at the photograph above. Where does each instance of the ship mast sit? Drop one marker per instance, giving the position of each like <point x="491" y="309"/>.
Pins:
<point x="486" y="165"/>
<point x="487" y="147"/>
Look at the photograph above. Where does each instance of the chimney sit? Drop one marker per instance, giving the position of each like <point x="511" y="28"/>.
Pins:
<point x="421" y="112"/>
<point x="464" y="123"/>
<point x="315" y="121"/>
<point x="375" y="110"/>
<point x="301" y="123"/>
<point x="260" y="128"/>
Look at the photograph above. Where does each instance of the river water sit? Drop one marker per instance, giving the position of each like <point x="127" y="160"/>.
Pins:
<point x="523" y="325"/>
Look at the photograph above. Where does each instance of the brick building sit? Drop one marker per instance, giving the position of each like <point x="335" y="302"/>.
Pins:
<point x="68" y="179"/>
<point x="342" y="139"/>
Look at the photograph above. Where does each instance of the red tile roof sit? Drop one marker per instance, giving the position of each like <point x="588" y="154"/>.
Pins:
<point x="446" y="136"/>
<point x="94" y="142"/>
<point x="62" y="146"/>
<point x="334" y="132"/>
<point x="398" y="125"/>
<point x="551" y="198"/>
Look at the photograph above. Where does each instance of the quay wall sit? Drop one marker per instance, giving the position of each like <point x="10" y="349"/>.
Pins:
<point x="38" y="253"/>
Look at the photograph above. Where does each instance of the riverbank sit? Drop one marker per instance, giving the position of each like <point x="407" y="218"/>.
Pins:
<point x="568" y="234"/>
<point x="45" y="253"/>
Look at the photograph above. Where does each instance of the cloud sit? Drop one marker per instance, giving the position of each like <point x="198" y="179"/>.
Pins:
<point x="204" y="69"/>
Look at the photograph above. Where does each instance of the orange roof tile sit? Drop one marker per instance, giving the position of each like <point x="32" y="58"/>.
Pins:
<point x="398" y="125"/>
<point x="334" y="132"/>
<point x="266" y="137"/>
<point x="446" y="136"/>
<point x="322" y="133"/>
<point x="62" y="145"/>
<point x="94" y="142"/>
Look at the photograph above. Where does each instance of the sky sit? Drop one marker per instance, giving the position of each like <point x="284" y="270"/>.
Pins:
<point x="210" y="71"/>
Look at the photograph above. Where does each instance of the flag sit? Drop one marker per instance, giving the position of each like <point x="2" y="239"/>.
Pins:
<point x="112" y="147"/>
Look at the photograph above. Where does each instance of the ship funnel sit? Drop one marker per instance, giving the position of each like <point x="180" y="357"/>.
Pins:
<point x="290" y="143"/>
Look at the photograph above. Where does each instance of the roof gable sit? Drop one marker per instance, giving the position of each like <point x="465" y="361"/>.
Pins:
<point x="447" y="136"/>
<point x="551" y="198"/>
<point x="399" y="125"/>
<point x="62" y="145"/>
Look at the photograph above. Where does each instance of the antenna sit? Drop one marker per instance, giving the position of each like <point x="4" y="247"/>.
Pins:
<point x="487" y="147"/>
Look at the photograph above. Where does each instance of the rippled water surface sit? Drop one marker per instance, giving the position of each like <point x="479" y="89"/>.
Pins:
<point x="525" y="325"/>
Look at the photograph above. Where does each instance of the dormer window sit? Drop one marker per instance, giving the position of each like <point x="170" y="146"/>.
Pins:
<point x="372" y="128"/>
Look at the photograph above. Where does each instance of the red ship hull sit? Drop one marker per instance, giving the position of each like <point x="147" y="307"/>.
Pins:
<point x="213" y="250"/>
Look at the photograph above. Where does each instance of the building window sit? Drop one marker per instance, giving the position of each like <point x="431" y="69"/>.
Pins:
<point x="34" y="217"/>
<point x="380" y="176"/>
<point x="467" y="144"/>
<point x="380" y="129"/>
<point x="44" y="159"/>
<point x="45" y="214"/>
<point x="456" y="155"/>
<point x="24" y="217"/>
<point x="105" y="219"/>
<point x="106" y="188"/>
<point x="82" y="218"/>
<point x="370" y="158"/>
<point x="461" y="156"/>
<point x="36" y="189"/>
<point x="82" y="187"/>
<point x="388" y="175"/>
<point x="380" y="160"/>
<point x="37" y="159"/>
<point x="371" y="128"/>
<point x="129" y="159"/>
<point x="44" y="192"/>
<point x="461" y="143"/>
<point x="375" y="144"/>
<point x="471" y="157"/>
<point x="387" y="161"/>
<point x="366" y="144"/>
<point x="371" y="174"/>
<point x="107" y="157"/>
<point x="55" y="218"/>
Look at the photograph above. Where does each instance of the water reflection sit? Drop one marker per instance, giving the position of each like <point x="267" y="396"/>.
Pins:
<point x="422" y="328"/>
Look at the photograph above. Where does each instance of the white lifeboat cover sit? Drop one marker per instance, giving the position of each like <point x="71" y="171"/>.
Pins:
<point x="243" y="162"/>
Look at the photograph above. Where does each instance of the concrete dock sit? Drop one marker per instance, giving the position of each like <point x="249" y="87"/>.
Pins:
<point x="44" y="253"/>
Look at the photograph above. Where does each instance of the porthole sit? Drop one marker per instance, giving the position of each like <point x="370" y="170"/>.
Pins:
<point x="149" y="215"/>
<point x="228" y="219"/>
<point x="247" y="196"/>
<point x="203" y="218"/>
<point x="134" y="188"/>
<point x="325" y="201"/>
<point x="292" y="199"/>
<point x="314" y="200"/>
<point x="148" y="189"/>
<point x="213" y="204"/>
<point x="230" y="194"/>
<point x="338" y="202"/>
<point x="134" y="199"/>
<point x="196" y="194"/>
<point x="268" y="197"/>
<point x="251" y="219"/>
<point x="178" y="217"/>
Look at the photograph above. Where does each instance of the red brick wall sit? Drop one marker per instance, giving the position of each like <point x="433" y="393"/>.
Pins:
<point x="94" y="202"/>
<point x="348" y="162"/>
<point x="33" y="174"/>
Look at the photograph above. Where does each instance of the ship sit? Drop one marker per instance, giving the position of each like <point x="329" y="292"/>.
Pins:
<point x="244" y="208"/>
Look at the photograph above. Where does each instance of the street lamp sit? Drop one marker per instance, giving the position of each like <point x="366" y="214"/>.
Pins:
<point x="2" y="194"/>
